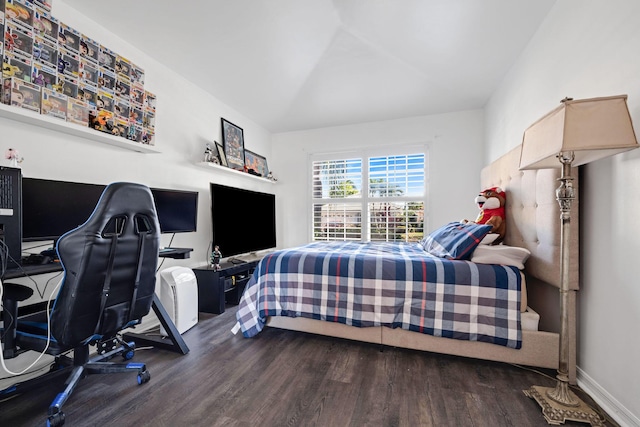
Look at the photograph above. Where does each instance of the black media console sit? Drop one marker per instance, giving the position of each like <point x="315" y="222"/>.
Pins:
<point x="215" y="288"/>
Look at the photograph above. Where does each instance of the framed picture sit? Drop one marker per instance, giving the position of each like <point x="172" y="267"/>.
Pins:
<point x="233" y="140"/>
<point x="256" y="162"/>
<point x="221" y="156"/>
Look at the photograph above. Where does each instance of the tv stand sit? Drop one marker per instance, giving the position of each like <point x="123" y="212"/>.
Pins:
<point x="217" y="287"/>
<point x="236" y="261"/>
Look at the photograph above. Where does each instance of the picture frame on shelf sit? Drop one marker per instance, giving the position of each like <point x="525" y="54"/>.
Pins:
<point x="221" y="155"/>
<point x="256" y="162"/>
<point x="233" y="144"/>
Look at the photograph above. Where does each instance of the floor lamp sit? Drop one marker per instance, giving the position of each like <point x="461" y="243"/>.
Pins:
<point x="575" y="133"/>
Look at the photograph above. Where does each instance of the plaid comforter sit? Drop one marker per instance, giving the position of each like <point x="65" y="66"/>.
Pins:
<point x="388" y="284"/>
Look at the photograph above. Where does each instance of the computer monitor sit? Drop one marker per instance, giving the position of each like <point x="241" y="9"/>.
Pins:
<point x="177" y="210"/>
<point x="51" y="208"/>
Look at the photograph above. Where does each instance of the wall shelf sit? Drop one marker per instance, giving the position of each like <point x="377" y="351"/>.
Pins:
<point x="51" y="123"/>
<point x="225" y="169"/>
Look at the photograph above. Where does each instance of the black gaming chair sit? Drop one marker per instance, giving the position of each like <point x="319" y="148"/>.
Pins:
<point x="109" y="279"/>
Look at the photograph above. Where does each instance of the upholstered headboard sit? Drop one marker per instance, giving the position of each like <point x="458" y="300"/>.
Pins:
<point x="533" y="222"/>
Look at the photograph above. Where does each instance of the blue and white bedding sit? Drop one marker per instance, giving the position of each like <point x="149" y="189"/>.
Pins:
<point x="397" y="285"/>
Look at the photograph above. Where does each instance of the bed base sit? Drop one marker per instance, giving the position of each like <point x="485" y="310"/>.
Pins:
<point x="539" y="349"/>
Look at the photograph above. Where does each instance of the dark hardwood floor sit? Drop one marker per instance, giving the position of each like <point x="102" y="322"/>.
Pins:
<point x="284" y="378"/>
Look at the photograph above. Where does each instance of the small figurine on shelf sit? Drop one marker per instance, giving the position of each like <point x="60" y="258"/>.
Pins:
<point x="216" y="255"/>
<point x="14" y="157"/>
<point x="208" y="153"/>
<point x="271" y="177"/>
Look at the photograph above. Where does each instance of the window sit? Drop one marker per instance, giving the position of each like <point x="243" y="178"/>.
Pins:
<point x="369" y="196"/>
<point x="337" y="195"/>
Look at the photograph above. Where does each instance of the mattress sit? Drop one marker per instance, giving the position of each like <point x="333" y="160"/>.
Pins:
<point x="386" y="284"/>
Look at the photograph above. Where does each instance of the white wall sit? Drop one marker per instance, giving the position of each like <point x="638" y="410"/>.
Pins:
<point x="455" y="158"/>
<point x="589" y="48"/>
<point x="585" y="48"/>
<point x="186" y="119"/>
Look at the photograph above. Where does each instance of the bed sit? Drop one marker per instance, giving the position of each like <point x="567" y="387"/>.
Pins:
<point x="483" y="318"/>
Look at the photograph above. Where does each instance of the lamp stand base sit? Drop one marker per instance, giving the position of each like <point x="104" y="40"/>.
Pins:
<point x="556" y="413"/>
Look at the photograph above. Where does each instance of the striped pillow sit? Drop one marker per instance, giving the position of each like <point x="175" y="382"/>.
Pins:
<point x="455" y="240"/>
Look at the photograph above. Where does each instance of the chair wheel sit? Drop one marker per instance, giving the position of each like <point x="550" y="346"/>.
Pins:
<point x="144" y="377"/>
<point x="128" y="355"/>
<point x="56" y="420"/>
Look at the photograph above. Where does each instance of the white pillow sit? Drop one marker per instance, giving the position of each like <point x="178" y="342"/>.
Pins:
<point x="500" y="254"/>
<point x="489" y="238"/>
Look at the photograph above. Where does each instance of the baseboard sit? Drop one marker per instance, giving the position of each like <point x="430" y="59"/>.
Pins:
<point x="608" y="403"/>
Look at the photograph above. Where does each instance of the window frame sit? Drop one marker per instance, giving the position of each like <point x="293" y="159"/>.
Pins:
<point x="365" y="198"/>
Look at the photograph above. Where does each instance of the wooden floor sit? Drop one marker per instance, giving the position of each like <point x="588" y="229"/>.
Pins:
<point x="285" y="378"/>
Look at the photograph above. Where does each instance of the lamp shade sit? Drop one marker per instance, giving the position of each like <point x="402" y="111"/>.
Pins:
<point x="590" y="128"/>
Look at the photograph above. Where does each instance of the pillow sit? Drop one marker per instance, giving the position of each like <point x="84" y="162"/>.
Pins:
<point x="489" y="238"/>
<point x="455" y="240"/>
<point x="501" y="254"/>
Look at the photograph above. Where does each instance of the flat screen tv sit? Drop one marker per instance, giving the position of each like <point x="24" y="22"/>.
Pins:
<point x="51" y="208"/>
<point x="243" y="221"/>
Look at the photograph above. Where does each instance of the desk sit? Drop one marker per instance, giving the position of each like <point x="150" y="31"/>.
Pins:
<point x="32" y="270"/>
<point x="53" y="267"/>
<point x="174" y="340"/>
<point x="175" y="253"/>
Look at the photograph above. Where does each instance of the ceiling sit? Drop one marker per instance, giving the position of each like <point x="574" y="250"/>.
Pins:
<point x="303" y="64"/>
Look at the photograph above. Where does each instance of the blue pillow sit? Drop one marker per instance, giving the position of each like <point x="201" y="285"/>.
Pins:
<point x="455" y="240"/>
